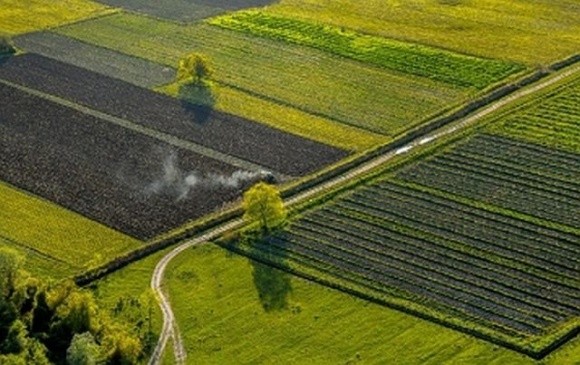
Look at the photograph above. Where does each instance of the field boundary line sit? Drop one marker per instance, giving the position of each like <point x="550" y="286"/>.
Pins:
<point x="160" y="136"/>
<point x="170" y="326"/>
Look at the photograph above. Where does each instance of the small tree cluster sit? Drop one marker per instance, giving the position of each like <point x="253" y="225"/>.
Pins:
<point x="194" y="68"/>
<point x="43" y="323"/>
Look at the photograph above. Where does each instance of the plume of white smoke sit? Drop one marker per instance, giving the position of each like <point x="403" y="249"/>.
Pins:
<point x="175" y="182"/>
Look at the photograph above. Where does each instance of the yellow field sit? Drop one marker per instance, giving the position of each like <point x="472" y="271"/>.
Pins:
<point x="531" y="32"/>
<point x="290" y="120"/>
<point x="45" y="231"/>
<point x="23" y="16"/>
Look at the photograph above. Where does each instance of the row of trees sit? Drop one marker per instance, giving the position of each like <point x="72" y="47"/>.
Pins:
<point x="44" y="323"/>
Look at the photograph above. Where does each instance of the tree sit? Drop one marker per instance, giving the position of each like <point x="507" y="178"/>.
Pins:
<point x="263" y="205"/>
<point x="194" y="68"/>
<point x="83" y="350"/>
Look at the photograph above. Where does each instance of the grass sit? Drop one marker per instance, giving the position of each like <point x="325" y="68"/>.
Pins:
<point x="306" y="79"/>
<point x="231" y="100"/>
<point x="530" y="32"/>
<point x="409" y="58"/>
<point x="215" y="298"/>
<point x="17" y="16"/>
<point x="53" y="238"/>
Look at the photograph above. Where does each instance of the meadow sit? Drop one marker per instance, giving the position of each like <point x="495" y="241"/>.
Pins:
<point x="17" y="17"/>
<point x="530" y="32"/>
<point x="219" y="300"/>
<point x="312" y="81"/>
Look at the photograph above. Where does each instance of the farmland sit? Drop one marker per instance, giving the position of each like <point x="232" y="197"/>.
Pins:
<point x="185" y="10"/>
<point x="67" y="242"/>
<point x="507" y="30"/>
<point x="114" y="64"/>
<point x="315" y="82"/>
<point x="18" y="17"/>
<point x="316" y="325"/>
<point x="481" y="234"/>
<point x="408" y="58"/>
<point x="221" y="132"/>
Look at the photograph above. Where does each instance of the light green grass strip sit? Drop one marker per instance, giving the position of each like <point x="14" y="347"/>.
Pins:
<point x="414" y="59"/>
<point x="53" y="231"/>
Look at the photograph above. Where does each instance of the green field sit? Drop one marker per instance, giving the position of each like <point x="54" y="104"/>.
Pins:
<point x="55" y="241"/>
<point x="552" y="121"/>
<point x="17" y="16"/>
<point x="215" y="296"/>
<point x="291" y="120"/>
<point x="407" y="58"/>
<point x="530" y="32"/>
<point x="316" y="82"/>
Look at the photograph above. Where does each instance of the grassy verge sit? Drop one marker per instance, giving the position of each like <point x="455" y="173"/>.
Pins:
<point x="18" y="16"/>
<point x="306" y="79"/>
<point x="500" y="29"/>
<point x="217" y="302"/>
<point x="58" y="237"/>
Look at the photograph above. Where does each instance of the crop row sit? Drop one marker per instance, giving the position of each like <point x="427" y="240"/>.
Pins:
<point x="523" y="156"/>
<point x="348" y="223"/>
<point x="550" y="239"/>
<point x="418" y="281"/>
<point x="521" y="240"/>
<point x="416" y="252"/>
<point x="415" y="59"/>
<point x="477" y="185"/>
<point x="445" y="227"/>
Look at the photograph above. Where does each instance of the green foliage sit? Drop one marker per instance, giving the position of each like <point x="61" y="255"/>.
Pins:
<point x="263" y="206"/>
<point x="83" y="350"/>
<point x="41" y="321"/>
<point x="414" y="59"/>
<point x="194" y="68"/>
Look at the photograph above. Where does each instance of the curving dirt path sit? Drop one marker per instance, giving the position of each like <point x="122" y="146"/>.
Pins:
<point x="170" y="329"/>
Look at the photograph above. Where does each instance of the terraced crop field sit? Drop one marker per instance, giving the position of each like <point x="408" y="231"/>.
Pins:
<point x="303" y="78"/>
<point x="482" y="235"/>
<point x="17" y="17"/>
<point x="516" y="30"/>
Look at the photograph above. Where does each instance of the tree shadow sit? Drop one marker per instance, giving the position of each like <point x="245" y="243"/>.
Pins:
<point x="198" y="100"/>
<point x="273" y="285"/>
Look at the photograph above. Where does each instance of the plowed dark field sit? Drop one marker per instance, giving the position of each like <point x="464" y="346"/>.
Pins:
<point x="281" y="152"/>
<point x="123" y="179"/>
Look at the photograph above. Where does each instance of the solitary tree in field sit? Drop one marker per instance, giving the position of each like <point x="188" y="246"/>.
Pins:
<point x="194" y="68"/>
<point x="6" y="46"/>
<point x="263" y="205"/>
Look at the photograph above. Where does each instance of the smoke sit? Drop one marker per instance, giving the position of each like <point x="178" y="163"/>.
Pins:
<point x="175" y="182"/>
